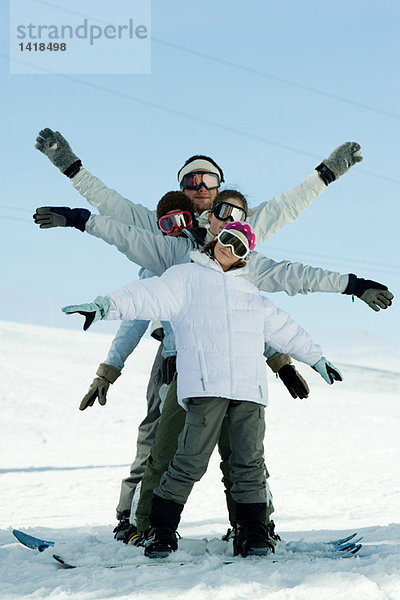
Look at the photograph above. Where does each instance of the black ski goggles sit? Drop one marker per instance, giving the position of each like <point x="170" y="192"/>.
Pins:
<point x="195" y="179"/>
<point x="224" y="211"/>
<point x="229" y="239"/>
<point x="178" y="220"/>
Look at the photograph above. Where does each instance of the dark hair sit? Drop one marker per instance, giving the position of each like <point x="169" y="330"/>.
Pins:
<point x="174" y="200"/>
<point x="234" y="194"/>
<point x="209" y="250"/>
<point x="203" y="157"/>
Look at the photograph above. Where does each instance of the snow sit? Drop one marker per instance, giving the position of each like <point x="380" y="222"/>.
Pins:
<point x="333" y="460"/>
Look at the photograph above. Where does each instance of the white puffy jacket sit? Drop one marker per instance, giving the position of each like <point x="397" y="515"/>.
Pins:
<point x="220" y="321"/>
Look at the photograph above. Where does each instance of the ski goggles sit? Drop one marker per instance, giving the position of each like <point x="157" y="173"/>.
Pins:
<point x="195" y="179"/>
<point x="224" y="211"/>
<point x="230" y="239"/>
<point x="177" y="220"/>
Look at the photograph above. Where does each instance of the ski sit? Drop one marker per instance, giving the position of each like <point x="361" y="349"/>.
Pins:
<point x="340" y="548"/>
<point x="161" y="562"/>
<point x="31" y="541"/>
<point x="167" y="562"/>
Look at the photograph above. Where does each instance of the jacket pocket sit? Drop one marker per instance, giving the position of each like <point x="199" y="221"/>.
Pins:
<point x="194" y="434"/>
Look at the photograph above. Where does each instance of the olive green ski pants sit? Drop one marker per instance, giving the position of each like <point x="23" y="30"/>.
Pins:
<point x="165" y="444"/>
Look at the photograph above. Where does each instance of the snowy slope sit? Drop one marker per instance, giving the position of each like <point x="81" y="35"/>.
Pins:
<point x="333" y="459"/>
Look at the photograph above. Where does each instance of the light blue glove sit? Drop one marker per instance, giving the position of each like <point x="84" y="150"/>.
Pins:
<point x="327" y="371"/>
<point x="92" y="311"/>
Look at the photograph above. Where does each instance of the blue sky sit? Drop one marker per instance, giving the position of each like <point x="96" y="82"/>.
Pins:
<point x="269" y="89"/>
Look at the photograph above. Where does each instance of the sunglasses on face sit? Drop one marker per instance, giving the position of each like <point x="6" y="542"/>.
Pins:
<point x="224" y="211"/>
<point x="175" y="221"/>
<point x="229" y="239"/>
<point x="195" y="179"/>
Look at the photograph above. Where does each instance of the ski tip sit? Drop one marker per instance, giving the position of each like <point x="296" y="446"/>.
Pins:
<point x="343" y="540"/>
<point x="356" y="549"/>
<point x="62" y="562"/>
<point x="17" y="533"/>
<point x="31" y="541"/>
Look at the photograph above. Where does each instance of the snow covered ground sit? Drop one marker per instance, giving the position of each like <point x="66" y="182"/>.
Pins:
<point x="333" y="459"/>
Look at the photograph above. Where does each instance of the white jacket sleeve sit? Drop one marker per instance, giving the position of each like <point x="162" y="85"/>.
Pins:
<point x="111" y="204"/>
<point x="153" y="252"/>
<point x="284" y="334"/>
<point x="158" y="298"/>
<point x="292" y="278"/>
<point x="270" y="216"/>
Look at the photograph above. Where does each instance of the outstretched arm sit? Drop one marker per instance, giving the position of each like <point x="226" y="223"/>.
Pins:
<point x="157" y="298"/>
<point x="296" y="278"/>
<point x="154" y="252"/>
<point x="283" y="333"/>
<point x="125" y="341"/>
<point x="106" y="200"/>
<point x="268" y="217"/>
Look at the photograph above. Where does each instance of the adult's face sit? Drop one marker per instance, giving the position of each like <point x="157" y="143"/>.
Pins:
<point x="202" y="198"/>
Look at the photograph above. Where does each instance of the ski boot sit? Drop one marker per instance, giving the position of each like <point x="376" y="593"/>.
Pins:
<point x="139" y="539"/>
<point x="229" y="535"/>
<point x="252" y="535"/>
<point x="253" y="540"/>
<point x="161" y="541"/>
<point x="164" y="518"/>
<point x="120" y="530"/>
<point x="271" y="532"/>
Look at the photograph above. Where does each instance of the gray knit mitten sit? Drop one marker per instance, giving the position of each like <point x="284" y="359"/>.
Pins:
<point x="340" y="161"/>
<point x="58" y="151"/>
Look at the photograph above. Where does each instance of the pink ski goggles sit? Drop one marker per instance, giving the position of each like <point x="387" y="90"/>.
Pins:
<point x="175" y="221"/>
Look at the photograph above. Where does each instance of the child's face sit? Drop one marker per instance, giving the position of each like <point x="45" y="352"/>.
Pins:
<point x="216" y="224"/>
<point x="224" y="256"/>
<point x="177" y="231"/>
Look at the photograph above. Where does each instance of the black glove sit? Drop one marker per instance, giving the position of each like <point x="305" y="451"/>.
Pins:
<point x="61" y="216"/>
<point x="294" y="382"/>
<point x="375" y="294"/>
<point x="58" y="151"/>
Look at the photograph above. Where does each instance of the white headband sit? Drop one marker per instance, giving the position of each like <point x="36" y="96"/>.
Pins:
<point x="198" y="165"/>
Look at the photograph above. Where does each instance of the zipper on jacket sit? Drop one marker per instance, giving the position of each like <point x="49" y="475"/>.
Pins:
<point x="203" y="367"/>
<point x="229" y="330"/>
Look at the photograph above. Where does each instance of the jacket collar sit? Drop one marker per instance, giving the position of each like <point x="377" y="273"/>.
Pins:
<point x="197" y="235"/>
<point x="202" y="259"/>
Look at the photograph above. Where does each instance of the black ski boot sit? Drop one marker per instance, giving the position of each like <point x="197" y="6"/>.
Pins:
<point x="161" y="541"/>
<point x="164" y="518"/>
<point x="272" y="533"/>
<point x="252" y="537"/>
<point x="124" y="525"/>
<point x="139" y="539"/>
